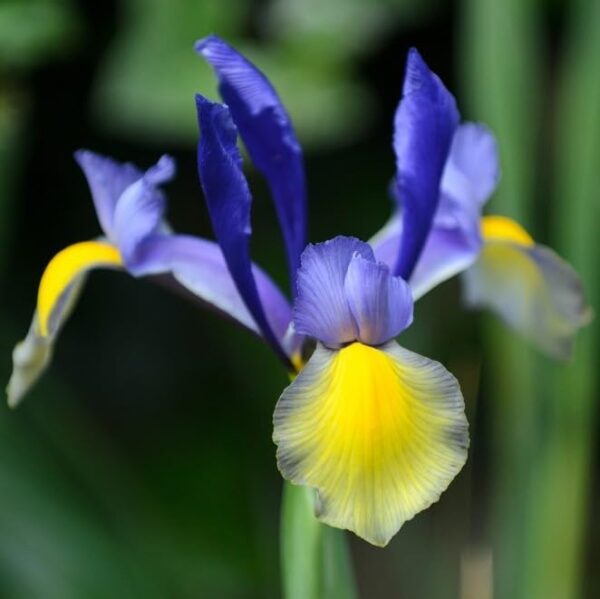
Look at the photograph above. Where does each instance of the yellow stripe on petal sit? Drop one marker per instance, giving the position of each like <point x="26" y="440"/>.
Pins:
<point x="380" y="433"/>
<point x="501" y="228"/>
<point x="64" y="269"/>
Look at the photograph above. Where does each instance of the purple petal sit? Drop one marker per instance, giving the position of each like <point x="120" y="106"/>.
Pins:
<point x="267" y="131"/>
<point x="321" y="309"/>
<point x="472" y="170"/>
<point x="140" y="209"/>
<point x="424" y="126"/>
<point x="386" y="242"/>
<point x="470" y="176"/>
<point x="229" y="201"/>
<point x="107" y="180"/>
<point x="199" y="266"/>
<point x="446" y="254"/>
<point x="381" y="304"/>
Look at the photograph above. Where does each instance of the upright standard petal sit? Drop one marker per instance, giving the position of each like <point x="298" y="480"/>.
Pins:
<point x="229" y="202"/>
<point x="379" y="433"/>
<point x="529" y="286"/>
<point x="454" y="242"/>
<point x="321" y="309"/>
<point x="381" y="304"/>
<point x="423" y="129"/>
<point x="107" y="180"/>
<point x="472" y="171"/>
<point x="140" y="209"/>
<point x="199" y="267"/>
<point x="267" y="131"/>
<point x="59" y="289"/>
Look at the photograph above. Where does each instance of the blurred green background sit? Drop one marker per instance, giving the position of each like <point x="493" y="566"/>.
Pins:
<point x="142" y="464"/>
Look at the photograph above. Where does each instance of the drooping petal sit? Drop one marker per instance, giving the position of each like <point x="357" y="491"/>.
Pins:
<point x="533" y="290"/>
<point x="423" y="129"/>
<point x="267" y="131"/>
<point x="107" y="180"/>
<point x="379" y="433"/>
<point x="199" y="266"/>
<point x="381" y="304"/>
<point x="140" y="209"/>
<point x="502" y="228"/>
<point x="321" y="309"/>
<point x="229" y="202"/>
<point x="63" y="271"/>
<point x="59" y="289"/>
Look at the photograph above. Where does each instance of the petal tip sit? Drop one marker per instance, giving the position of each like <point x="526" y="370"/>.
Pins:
<point x="417" y="71"/>
<point x="205" y="45"/>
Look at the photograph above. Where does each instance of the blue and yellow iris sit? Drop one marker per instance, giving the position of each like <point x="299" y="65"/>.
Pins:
<point x="378" y="431"/>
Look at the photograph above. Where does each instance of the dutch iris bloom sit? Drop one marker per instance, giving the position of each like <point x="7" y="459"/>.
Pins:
<point x="378" y="431"/>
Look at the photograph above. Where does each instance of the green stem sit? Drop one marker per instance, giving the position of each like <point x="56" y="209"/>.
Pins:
<point x="315" y="560"/>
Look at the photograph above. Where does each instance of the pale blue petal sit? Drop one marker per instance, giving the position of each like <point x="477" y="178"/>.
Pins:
<point x="381" y="304"/>
<point x="321" y="309"/>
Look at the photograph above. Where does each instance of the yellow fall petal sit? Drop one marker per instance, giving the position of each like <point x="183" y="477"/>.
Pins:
<point x="64" y="269"/>
<point x="533" y="290"/>
<point x="378" y="432"/>
<point x="501" y="228"/>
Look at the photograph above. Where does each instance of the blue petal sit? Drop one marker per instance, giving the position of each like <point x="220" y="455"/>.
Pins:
<point x="470" y="177"/>
<point x="473" y="168"/>
<point x="454" y="242"/>
<point x="321" y="309"/>
<point x="140" y="209"/>
<point x="267" y="131"/>
<point x="107" y="180"/>
<point x="199" y="267"/>
<point x="424" y="125"/>
<point x="229" y="201"/>
<point x="381" y="304"/>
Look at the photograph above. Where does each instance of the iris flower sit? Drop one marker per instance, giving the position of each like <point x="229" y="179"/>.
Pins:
<point x="378" y="431"/>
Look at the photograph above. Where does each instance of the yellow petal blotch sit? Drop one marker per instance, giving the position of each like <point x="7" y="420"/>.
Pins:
<point x="501" y="228"/>
<point x="379" y="432"/>
<point x="64" y="269"/>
